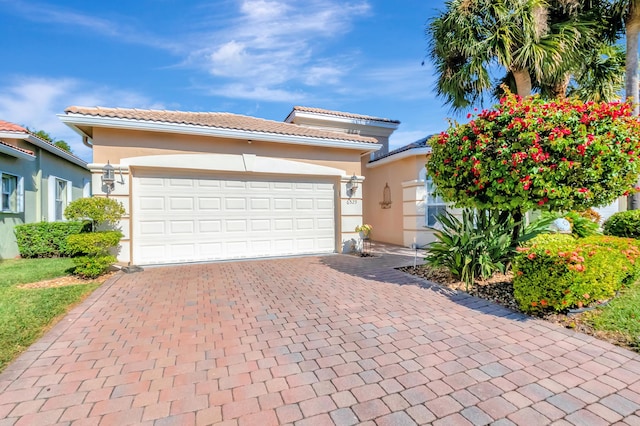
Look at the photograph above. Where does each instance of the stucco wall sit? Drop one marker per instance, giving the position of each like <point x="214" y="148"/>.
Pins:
<point x="388" y="224"/>
<point x="113" y="144"/>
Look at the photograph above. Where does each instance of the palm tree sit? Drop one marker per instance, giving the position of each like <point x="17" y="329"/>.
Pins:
<point x="540" y="45"/>
<point x="626" y="17"/>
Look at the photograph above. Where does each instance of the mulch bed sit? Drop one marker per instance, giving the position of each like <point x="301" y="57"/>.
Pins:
<point x="499" y="289"/>
<point x="66" y="281"/>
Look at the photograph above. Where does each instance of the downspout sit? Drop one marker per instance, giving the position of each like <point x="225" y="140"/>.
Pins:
<point x="85" y="141"/>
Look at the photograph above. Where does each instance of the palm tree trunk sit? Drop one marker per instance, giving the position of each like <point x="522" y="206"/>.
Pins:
<point x="632" y="28"/>
<point x="523" y="82"/>
<point x="559" y="89"/>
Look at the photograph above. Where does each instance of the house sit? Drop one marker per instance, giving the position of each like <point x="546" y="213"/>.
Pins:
<point x="38" y="181"/>
<point x="211" y="186"/>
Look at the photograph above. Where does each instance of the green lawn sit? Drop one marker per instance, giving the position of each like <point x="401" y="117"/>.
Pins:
<point x="621" y="315"/>
<point x="25" y="314"/>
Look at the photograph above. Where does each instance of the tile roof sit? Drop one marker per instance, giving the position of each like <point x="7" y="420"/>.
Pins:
<point x="220" y="120"/>
<point x="5" y="126"/>
<point x="26" y="151"/>
<point x="344" y="114"/>
<point x="420" y="143"/>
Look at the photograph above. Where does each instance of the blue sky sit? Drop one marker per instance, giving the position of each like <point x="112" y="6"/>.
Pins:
<point x="252" y="57"/>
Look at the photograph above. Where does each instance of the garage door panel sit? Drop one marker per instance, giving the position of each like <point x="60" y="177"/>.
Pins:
<point x="209" y="226"/>
<point x="152" y="203"/>
<point x="181" y="203"/>
<point x="206" y="203"/>
<point x="181" y="227"/>
<point x="236" y="204"/>
<point x="213" y="218"/>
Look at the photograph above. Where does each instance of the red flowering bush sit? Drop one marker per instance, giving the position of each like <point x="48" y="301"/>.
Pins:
<point x="558" y="272"/>
<point x="533" y="154"/>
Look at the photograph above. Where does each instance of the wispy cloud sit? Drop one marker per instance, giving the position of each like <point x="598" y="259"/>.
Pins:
<point x="272" y="43"/>
<point x="121" y="27"/>
<point x="35" y="101"/>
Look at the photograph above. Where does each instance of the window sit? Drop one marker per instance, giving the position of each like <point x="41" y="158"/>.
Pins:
<point x="11" y="191"/>
<point x="434" y="205"/>
<point x="59" y="197"/>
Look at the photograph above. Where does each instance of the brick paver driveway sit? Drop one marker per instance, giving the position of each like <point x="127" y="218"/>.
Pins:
<point x="311" y="341"/>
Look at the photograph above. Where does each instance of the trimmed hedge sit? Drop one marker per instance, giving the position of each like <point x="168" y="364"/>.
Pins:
<point x="92" y="249"/>
<point x="47" y="239"/>
<point x="623" y="224"/>
<point x="558" y="272"/>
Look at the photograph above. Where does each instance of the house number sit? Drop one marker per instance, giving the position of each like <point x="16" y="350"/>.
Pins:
<point x="352" y="201"/>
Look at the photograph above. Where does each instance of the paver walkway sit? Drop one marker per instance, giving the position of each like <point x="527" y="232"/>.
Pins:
<point x="311" y="341"/>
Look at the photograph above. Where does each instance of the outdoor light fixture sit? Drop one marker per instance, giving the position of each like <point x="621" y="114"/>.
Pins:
<point x="108" y="177"/>
<point x="352" y="185"/>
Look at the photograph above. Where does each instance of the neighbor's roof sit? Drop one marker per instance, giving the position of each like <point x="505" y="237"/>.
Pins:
<point x="25" y="151"/>
<point x="420" y="143"/>
<point x="6" y="126"/>
<point x="219" y="120"/>
<point x="26" y="134"/>
<point x="343" y="114"/>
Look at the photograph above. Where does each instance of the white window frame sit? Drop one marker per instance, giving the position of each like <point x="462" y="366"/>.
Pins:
<point x="53" y="201"/>
<point x="433" y="204"/>
<point x="19" y="194"/>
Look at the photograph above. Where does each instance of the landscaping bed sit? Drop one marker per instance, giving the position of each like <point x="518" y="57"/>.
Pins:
<point x="613" y="323"/>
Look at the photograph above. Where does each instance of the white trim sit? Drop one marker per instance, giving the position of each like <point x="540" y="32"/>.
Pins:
<point x="72" y="120"/>
<point x="399" y="156"/>
<point x="13" y="152"/>
<point x="341" y="119"/>
<point x="19" y="194"/>
<point x="86" y="188"/>
<point x="230" y="163"/>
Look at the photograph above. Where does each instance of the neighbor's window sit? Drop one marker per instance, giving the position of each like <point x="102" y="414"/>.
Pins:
<point x="11" y="200"/>
<point x="61" y="198"/>
<point x="434" y="205"/>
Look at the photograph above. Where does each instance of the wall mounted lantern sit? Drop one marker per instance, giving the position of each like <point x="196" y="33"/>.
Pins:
<point x="108" y="178"/>
<point x="352" y="185"/>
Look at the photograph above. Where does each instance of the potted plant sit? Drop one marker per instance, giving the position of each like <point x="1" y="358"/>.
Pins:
<point x="364" y="230"/>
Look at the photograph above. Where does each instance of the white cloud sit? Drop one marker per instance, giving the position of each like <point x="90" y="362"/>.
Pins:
<point x="277" y="42"/>
<point x="34" y="102"/>
<point x="243" y="91"/>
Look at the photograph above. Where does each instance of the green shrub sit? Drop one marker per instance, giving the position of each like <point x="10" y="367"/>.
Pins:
<point x="557" y="272"/>
<point x="93" y="243"/>
<point x="581" y="226"/>
<point x="93" y="266"/>
<point x="92" y="250"/>
<point x="479" y="245"/>
<point x="99" y="210"/>
<point x="623" y="224"/>
<point x="46" y="239"/>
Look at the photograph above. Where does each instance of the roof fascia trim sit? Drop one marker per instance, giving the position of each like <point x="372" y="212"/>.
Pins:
<point x="399" y="156"/>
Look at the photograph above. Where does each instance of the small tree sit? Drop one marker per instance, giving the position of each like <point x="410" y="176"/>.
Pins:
<point x="99" y="210"/>
<point x="529" y="154"/>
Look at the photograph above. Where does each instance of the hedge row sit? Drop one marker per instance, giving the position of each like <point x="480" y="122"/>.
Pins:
<point x="47" y="239"/>
<point x="559" y="272"/>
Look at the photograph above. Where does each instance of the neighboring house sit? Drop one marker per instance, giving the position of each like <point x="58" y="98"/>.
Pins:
<point x="38" y="181"/>
<point x="208" y="186"/>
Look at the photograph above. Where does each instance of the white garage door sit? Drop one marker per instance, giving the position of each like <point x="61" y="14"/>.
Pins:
<point x="184" y="218"/>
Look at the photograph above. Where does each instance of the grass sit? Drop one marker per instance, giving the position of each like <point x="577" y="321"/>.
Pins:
<point x="25" y="314"/>
<point x="621" y="316"/>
